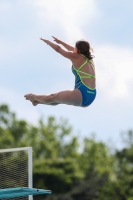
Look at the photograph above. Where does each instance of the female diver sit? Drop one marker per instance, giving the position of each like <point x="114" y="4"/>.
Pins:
<point x="83" y="69"/>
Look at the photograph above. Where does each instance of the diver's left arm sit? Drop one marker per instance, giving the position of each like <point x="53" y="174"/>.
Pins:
<point x="51" y="44"/>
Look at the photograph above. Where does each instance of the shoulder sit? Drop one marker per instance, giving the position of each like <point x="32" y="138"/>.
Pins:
<point x="67" y="54"/>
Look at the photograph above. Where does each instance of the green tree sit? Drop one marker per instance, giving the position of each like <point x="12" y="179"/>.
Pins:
<point x="121" y="187"/>
<point x="55" y="149"/>
<point x="124" y="169"/>
<point x="58" y="164"/>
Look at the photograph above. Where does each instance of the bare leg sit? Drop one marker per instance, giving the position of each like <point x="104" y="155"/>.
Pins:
<point x="69" y="97"/>
<point x="35" y="103"/>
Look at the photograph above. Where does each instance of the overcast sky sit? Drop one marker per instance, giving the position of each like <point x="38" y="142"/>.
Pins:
<point x="27" y="65"/>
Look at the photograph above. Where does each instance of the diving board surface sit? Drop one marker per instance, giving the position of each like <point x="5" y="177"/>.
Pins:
<point x="19" y="192"/>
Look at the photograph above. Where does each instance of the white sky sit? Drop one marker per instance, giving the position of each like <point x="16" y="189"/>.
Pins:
<point x="28" y="65"/>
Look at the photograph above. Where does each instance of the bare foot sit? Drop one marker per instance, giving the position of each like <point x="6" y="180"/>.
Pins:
<point x="35" y="98"/>
<point x="35" y="103"/>
<point x="30" y="97"/>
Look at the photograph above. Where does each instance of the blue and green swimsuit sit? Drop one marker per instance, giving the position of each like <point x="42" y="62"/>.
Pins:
<point x="88" y="94"/>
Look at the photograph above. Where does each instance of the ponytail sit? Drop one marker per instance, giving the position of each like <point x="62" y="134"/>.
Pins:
<point x="84" y="48"/>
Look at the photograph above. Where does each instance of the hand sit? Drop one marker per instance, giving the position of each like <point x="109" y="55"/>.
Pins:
<point x="57" y="40"/>
<point x="44" y="40"/>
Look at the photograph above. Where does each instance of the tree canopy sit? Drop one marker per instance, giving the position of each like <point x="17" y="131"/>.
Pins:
<point x="72" y="169"/>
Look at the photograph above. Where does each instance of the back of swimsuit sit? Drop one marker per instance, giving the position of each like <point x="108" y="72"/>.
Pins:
<point x="88" y="94"/>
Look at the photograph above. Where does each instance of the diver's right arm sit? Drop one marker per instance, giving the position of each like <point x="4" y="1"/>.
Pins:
<point x="67" y="46"/>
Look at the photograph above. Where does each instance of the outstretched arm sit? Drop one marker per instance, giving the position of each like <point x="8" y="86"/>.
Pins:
<point x="67" y="46"/>
<point x="51" y="44"/>
<point x="67" y="54"/>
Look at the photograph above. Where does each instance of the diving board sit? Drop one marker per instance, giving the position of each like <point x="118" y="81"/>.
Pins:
<point x="19" y="192"/>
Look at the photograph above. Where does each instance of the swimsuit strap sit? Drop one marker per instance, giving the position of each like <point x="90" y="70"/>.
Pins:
<point x="87" y="75"/>
<point x="91" y="62"/>
<point x="82" y="65"/>
<point x="83" y="55"/>
<point x="87" y="59"/>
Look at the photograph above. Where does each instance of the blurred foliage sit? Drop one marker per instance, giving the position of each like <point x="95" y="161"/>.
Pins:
<point x="61" y="166"/>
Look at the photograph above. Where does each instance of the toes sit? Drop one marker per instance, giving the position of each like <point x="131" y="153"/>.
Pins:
<point x="35" y="103"/>
<point x="29" y="97"/>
